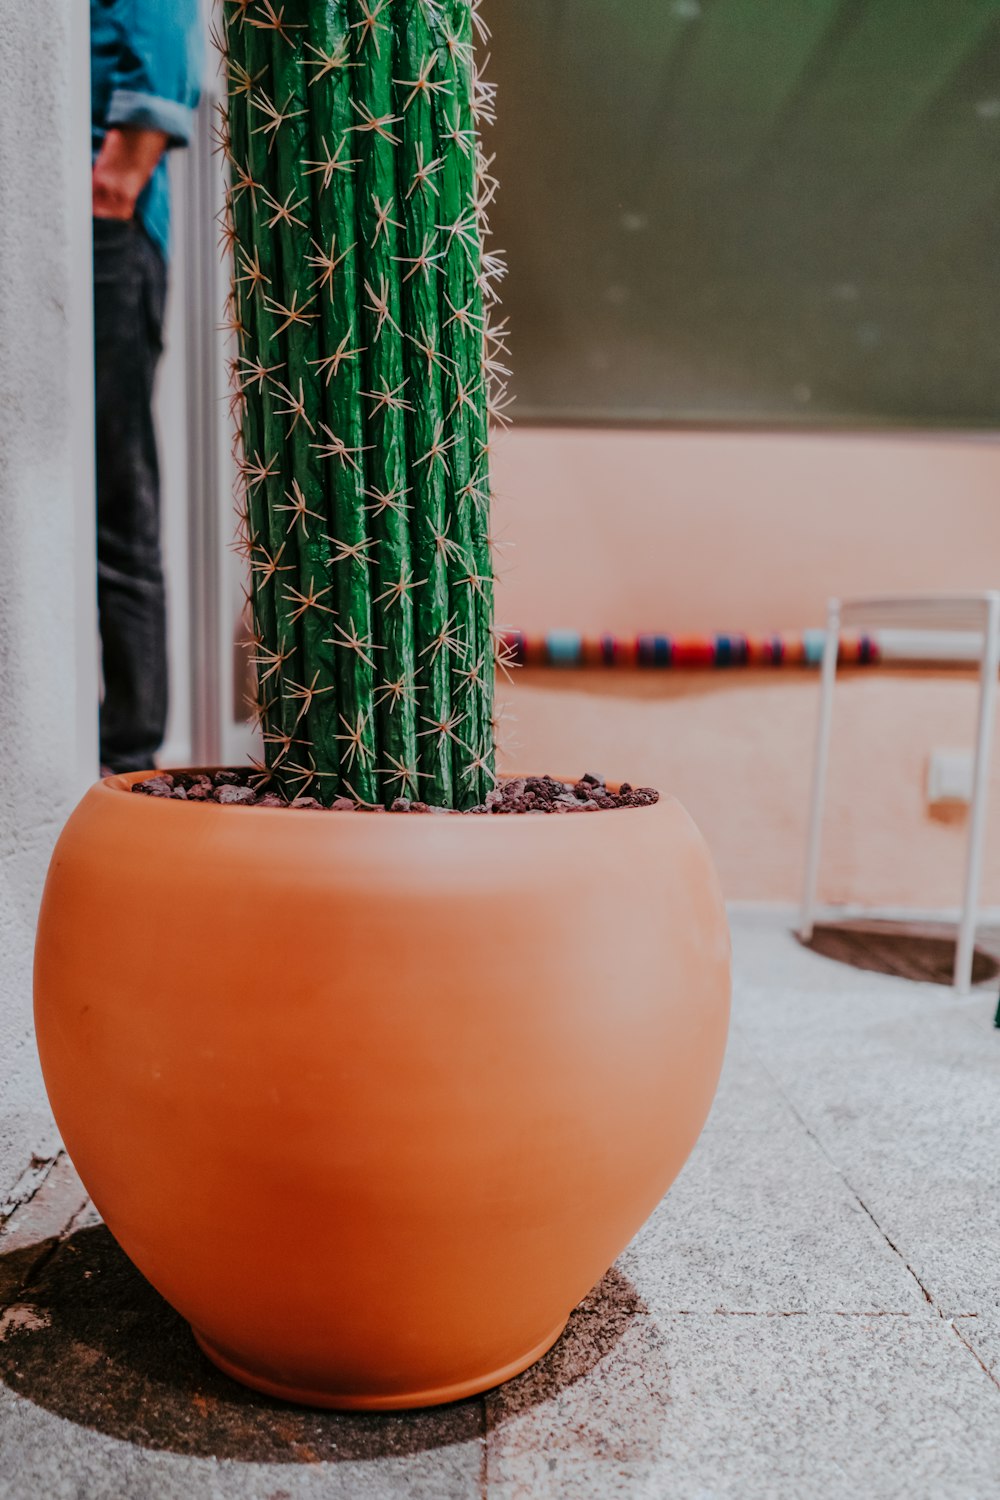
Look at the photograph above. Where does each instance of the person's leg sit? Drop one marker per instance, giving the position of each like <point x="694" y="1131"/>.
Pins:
<point x="129" y="294"/>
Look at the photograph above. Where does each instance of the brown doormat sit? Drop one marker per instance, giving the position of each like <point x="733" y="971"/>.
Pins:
<point x="906" y="950"/>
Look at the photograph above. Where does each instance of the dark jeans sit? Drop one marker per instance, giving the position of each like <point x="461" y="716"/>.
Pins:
<point x="130" y="282"/>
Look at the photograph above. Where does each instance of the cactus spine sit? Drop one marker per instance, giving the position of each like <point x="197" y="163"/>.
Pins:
<point x="366" y="375"/>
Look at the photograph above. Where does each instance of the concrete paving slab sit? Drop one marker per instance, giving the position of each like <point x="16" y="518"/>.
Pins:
<point x="93" y="1345"/>
<point x="40" y="1206"/>
<point x="20" y="1125"/>
<point x="946" y="1230"/>
<point x="103" y="1392"/>
<point x="981" y="1331"/>
<point x="40" y="1456"/>
<point x="759" y="1221"/>
<point x="899" y="1086"/>
<point x="705" y="1407"/>
<point x="854" y="1110"/>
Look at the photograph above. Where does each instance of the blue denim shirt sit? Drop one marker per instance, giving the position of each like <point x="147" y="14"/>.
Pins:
<point x="146" y="67"/>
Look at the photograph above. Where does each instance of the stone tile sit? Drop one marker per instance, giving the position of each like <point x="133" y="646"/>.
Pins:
<point x="927" y="1093"/>
<point x="591" y="1410"/>
<point x="981" y="1331"/>
<point x="799" y="1021"/>
<point x="766" y="951"/>
<point x="94" y="1346"/>
<point x="40" y="1456"/>
<point x="837" y="1084"/>
<point x="807" y="1006"/>
<point x="760" y="1221"/>
<point x="899" y="1123"/>
<point x="912" y="1127"/>
<point x="758" y="1408"/>
<point x="946" y="1229"/>
<point x="899" y="1084"/>
<point x="26" y="1130"/>
<point x="103" y="1393"/>
<point x="745" y="1092"/>
<point x="42" y="1203"/>
<point x="779" y="980"/>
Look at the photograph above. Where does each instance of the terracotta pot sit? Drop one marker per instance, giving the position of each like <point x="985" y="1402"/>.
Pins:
<point x="375" y="1101"/>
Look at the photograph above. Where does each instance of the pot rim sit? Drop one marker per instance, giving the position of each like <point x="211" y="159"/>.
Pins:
<point x="124" y="781"/>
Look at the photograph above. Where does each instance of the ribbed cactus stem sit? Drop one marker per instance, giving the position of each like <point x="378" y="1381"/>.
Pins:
<point x="304" y="286"/>
<point x="333" y="157"/>
<point x="355" y="210"/>
<point x="463" y="329"/>
<point x="375" y="130"/>
<point x="429" y="462"/>
<point x="273" y="550"/>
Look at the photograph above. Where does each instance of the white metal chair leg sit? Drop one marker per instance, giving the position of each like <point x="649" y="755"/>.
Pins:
<point x="965" y="948"/>
<point x="831" y="649"/>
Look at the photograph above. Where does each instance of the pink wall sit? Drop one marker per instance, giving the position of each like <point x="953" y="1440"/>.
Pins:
<point x="736" y="749"/>
<point x="694" y="531"/>
<point x="700" y="532"/>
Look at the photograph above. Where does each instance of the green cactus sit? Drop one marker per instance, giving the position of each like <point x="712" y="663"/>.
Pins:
<point x="366" y="377"/>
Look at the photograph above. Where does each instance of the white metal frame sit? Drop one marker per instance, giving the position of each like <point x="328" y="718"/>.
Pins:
<point x="79" y="314"/>
<point x="970" y="613"/>
<point x="204" y="574"/>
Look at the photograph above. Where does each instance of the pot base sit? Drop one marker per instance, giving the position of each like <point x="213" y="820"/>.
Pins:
<point x="345" y="1401"/>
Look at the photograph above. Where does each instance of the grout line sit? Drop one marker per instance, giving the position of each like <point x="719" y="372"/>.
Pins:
<point x="38" y="1266"/>
<point x="634" y="1314"/>
<point x="928" y="1298"/>
<point x="798" y="1312"/>
<point x="892" y="1245"/>
<point x="775" y="1312"/>
<point x="55" y="1245"/>
<point x="484" y="1459"/>
<point x="37" y="1178"/>
<point x="23" y="1292"/>
<point x="30" y="1182"/>
<point x="975" y="1354"/>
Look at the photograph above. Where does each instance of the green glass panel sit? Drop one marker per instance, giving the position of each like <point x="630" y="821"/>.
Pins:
<point x="752" y="211"/>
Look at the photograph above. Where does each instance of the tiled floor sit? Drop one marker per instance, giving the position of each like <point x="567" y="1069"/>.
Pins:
<point x="814" y="1310"/>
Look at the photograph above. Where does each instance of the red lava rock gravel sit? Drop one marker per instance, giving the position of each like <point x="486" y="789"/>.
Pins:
<point x="522" y="794"/>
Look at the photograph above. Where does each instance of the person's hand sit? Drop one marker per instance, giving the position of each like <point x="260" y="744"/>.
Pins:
<point x="124" y="165"/>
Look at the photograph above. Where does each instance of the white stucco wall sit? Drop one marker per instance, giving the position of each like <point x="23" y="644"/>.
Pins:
<point x="48" y="673"/>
